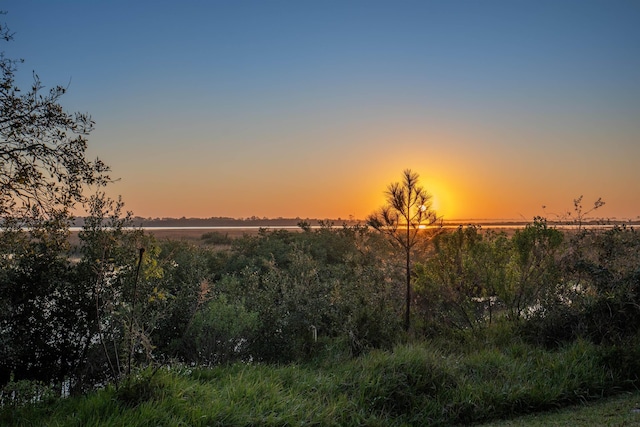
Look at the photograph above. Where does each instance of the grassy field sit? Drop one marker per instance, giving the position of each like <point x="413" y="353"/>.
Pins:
<point x="426" y="384"/>
<point x="621" y="410"/>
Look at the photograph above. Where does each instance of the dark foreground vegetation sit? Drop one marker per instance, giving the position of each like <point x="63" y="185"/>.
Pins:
<point x="307" y="327"/>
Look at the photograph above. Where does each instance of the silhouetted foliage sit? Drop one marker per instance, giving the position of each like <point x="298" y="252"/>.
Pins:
<point x="404" y="219"/>
<point x="43" y="321"/>
<point x="43" y="165"/>
<point x="47" y="310"/>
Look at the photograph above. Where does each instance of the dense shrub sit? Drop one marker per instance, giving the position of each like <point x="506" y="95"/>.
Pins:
<point x="186" y="283"/>
<point x="474" y="277"/>
<point x="79" y="321"/>
<point x="46" y="315"/>
<point x="457" y="286"/>
<point x="293" y="296"/>
<point x="599" y="296"/>
<point x="555" y="289"/>
<point x="314" y="284"/>
<point x="218" y="333"/>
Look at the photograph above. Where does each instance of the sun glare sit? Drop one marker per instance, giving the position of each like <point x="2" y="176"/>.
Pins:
<point x="444" y="201"/>
<point x="441" y="199"/>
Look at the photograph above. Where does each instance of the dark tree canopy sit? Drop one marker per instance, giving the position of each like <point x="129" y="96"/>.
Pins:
<point x="43" y="164"/>
<point x="407" y="211"/>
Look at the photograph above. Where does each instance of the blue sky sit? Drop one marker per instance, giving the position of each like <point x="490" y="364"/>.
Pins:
<point x="301" y="108"/>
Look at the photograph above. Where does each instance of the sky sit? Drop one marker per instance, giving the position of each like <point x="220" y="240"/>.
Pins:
<point x="311" y="109"/>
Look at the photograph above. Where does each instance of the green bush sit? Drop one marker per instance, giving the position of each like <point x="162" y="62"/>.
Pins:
<point x="336" y="282"/>
<point x="187" y="285"/>
<point x="219" y="333"/>
<point x="599" y="293"/>
<point x="25" y="392"/>
<point x="457" y="286"/>
<point x="46" y="314"/>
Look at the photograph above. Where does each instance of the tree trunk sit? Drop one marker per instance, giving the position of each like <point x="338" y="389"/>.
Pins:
<point x="407" y="321"/>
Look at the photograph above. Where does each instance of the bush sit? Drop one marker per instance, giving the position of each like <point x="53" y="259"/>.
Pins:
<point x="599" y="294"/>
<point x="25" y="392"/>
<point x="46" y="316"/>
<point x="336" y="282"/>
<point x="219" y="333"/>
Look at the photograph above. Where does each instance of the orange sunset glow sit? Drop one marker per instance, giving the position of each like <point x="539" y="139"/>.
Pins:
<point x="312" y="110"/>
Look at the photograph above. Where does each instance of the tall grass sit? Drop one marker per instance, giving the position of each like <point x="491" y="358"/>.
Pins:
<point x="415" y="384"/>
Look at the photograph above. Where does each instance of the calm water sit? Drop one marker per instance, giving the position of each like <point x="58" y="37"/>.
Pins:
<point x="509" y="226"/>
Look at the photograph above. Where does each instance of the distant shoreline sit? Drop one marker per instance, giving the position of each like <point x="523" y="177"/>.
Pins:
<point x="194" y="233"/>
<point x="254" y="222"/>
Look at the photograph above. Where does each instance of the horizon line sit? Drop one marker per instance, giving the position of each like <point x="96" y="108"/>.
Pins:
<point x="356" y="220"/>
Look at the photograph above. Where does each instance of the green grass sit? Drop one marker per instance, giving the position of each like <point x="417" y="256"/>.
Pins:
<point x="419" y="384"/>
<point x="621" y="410"/>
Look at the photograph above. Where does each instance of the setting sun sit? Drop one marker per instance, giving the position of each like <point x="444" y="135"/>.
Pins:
<point x="442" y="200"/>
<point x="260" y="125"/>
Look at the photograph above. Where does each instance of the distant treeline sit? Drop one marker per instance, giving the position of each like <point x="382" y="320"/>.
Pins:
<point x="228" y="222"/>
<point x="284" y="222"/>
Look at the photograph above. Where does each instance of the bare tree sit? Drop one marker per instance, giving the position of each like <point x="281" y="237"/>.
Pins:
<point x="406" y="215"/>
